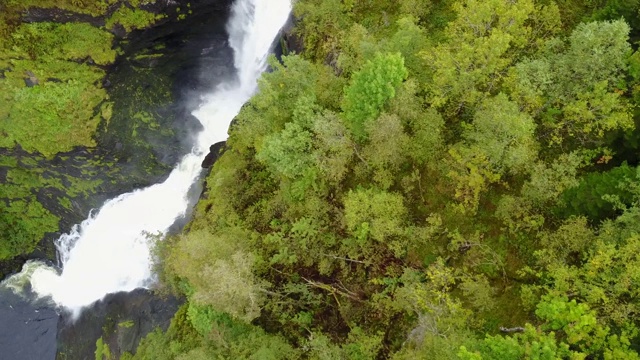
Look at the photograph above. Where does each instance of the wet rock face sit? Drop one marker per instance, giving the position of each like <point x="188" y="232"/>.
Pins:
<point x="158" y="82"/>
<point x="121" y="319"/>
<point x="164" y="7"/>
<point x="27" y="331"/>
<point x="35" y="14"/>
<point x="290" y="42"/>
<point x="215" y="151"/>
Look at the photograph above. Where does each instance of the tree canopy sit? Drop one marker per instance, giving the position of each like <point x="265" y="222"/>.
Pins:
<point x="427" y="180"/>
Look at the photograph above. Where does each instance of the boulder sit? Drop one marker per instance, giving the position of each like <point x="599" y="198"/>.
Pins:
<point x="31" y="80"/>
<point x="215" y="151"/>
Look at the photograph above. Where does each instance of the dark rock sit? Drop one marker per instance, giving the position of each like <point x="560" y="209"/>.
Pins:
<point x="31" y="81"/>
<point x="294" y="43"/>
<point x="121" y="319"/>
<point x="290" y="42"/>
<point x="55" y="80"/>
<point x="36" y="14"/>
<point x="170" y="59"/>
<point x="28" y="332"/>
<point x="215" y="151"/>
<point x="119" y="31"/>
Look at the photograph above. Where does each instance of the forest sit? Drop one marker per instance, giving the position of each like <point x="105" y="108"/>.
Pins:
<point x="445" y="179"/>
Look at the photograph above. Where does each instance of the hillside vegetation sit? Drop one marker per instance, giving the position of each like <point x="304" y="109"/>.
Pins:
<point x="428" y="180"/>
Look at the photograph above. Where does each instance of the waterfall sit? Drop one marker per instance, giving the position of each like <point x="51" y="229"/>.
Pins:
<point x="110" y="250"/>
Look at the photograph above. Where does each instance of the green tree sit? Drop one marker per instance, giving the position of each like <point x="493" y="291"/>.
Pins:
<point x="410" y="40"/>
<point x="598" y="194"/>
<point x="370" y="88"/>
<point x="576" y="86"/>
<point x="441" y="323"/>
<point x="293" y="84"/>
<point x="480" y="47"/>
<point x="595" y="268"/>
<point x="374" y="215"/>
<point x="425" y="127"/>
<point x="504" y="134"/>
<point x="570" y="330"/>
<point x="416" y="8"/>
<point x="218" y="271"/>
<point x="334" y="148"/>
<point x="357" y="46"/>
<point x="322" y="25"/>
<point x="288" y="153"/>
<point x="385" y="151"/>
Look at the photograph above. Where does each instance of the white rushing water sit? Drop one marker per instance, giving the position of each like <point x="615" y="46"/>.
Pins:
<point x="110" y="251"/>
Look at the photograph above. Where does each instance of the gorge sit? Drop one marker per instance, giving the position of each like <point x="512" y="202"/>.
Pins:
<point x="416" y="179"/>
<point x="110" y="252"/>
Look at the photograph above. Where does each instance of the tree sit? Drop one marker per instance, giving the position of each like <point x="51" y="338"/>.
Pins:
<point x="503" y="134"/>
<point x="416" y="8"/>
<point x="442" y="321"/>
<point x="374" y="215"/>
<point x="410" y="40"/>
<point x="385" y="151"/>
<point x="357" y="46"/>
<point x="334" y="148"/>
<point x="218" y="271"/>
<point x="570" y="330"/>
<point x="288" y="153"/>
<point x="481" y="45"/>
<point x="425" y="127"/>
<point x="599" y="194"/>
<point x="369" y="90"/>
<point x="500" y="141"/>
<point x="525" y="213"/>
<point x="598" y="269"/>
<point x="322" y="24"/>
<point x="292" y="86"/>
<point x="575" y="86"/>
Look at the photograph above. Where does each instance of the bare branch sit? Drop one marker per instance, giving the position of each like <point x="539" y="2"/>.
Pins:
<point x="511" y="330"/>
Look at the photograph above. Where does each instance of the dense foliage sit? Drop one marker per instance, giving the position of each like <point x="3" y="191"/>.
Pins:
<point x="428" y="180"/>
